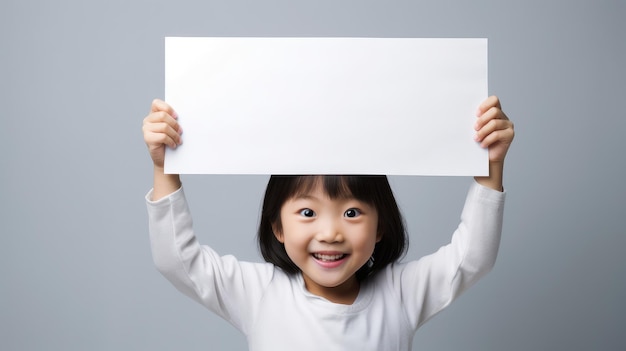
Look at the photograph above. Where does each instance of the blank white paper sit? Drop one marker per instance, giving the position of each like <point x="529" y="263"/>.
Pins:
<point x="395" y="106"/>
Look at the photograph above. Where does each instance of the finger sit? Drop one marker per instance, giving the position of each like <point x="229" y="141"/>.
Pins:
<point x="488" y="103"/>
<point x="499" y="136"/>
<point x="166" y="129"/>
<point x="162" y="117"/>
<point x="157" y="139"/>
<point x="163" y="128"/>
<point x="491" y="127"/>
<point x="489" y="115"/>
<point x="160" y="105"/>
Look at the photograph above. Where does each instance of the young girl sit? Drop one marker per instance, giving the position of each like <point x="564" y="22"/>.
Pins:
<point x="332" y="280"/>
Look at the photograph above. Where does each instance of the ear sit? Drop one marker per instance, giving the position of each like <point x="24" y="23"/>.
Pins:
<point x="278" y="234"/>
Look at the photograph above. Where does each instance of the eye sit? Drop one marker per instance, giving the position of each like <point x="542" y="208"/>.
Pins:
<point x="352" y="212"/>
<point x="307" y="212"/>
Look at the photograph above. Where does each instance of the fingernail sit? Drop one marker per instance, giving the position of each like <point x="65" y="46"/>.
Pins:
<point x="174" y="115"/>
<point x="478" y="112"/>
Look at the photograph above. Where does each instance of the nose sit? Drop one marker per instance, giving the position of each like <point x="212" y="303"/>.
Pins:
<point x="329" y="232"/>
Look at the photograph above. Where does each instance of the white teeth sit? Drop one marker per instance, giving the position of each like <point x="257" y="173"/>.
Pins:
<point x="322" y="257"/>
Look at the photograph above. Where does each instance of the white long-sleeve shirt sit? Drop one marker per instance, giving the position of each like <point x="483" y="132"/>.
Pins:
<point x="276" y="312"/>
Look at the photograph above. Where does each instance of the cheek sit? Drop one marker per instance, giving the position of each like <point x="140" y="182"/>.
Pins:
<point x="293" y="239"/>
<point x="365" y="240"/>
<point x="369" y="245"/>
<point x="372" y="237"/>
<point x="297" y="250"/>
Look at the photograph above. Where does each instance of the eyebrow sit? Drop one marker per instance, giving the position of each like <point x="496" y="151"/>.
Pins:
<point x="304" y="197"/>
<point x="308" y="196"/>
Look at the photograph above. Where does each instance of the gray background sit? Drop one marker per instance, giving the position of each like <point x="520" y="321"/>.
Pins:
<point x="78" y="78"/>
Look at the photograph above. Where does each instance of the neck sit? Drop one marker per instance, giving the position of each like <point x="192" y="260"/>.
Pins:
<point x="345" y="293"/>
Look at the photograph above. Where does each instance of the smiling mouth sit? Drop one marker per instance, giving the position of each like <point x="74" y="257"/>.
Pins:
<point x="329" y="258"/>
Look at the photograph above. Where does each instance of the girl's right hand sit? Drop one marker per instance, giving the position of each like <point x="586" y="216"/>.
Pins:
<point x="161" y="128"/>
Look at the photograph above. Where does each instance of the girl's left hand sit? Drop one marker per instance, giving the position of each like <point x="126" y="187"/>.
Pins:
<point x="494" y="129"/>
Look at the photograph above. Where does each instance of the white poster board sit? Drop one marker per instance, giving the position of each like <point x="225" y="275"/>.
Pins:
<point x="395" y="106"/>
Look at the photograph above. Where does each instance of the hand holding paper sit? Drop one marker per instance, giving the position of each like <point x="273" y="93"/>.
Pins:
<point x="495" y="131"/>
<point x="160" y="129"/>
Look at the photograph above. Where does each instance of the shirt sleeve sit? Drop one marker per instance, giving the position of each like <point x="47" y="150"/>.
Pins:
<point x="224" y="285"/>
<point x="431" y="283"/>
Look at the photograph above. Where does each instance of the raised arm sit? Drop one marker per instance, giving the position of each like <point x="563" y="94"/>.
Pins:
<point x="431" y="283"/>
<point x="221" y="283"/>
<point x="161" y="129"/>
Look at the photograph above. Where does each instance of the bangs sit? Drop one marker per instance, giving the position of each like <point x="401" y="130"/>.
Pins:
<point x="336" y="187"/>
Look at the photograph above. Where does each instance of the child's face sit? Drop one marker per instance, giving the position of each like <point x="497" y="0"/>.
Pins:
<point x="329" y="240"/>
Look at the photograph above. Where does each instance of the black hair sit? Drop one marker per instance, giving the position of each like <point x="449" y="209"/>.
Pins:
<point x="374" y="190"/>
